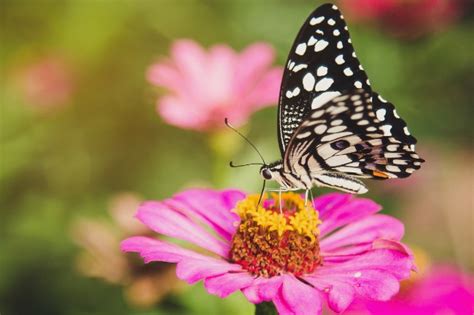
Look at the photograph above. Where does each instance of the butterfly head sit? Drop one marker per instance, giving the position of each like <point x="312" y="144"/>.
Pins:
<point x="271" y="171"/>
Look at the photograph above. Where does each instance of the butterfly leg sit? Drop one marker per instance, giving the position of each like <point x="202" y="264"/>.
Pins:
<point x="279" y="190"/>
<point x="312" y="197"/>
<point x="306" y="192"/>
<point x="279" y="201"/>
<point x="284" y="189"/>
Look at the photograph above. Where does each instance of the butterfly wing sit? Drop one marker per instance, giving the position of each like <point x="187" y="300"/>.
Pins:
<point x="357" y="134"/>
<point x="321" y="64"/>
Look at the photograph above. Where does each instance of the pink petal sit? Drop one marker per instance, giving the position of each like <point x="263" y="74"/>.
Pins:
<point x="363" y="231"/>
<point x="328" y="202"/>
<point x="281" y="305"/>
<point x="191" y="61"/>
<point x="156" y="250"/>
<point x="266" y="90"/>
<point x="164" y="220"/>
<point x="296" y="297"/>
<point x="263" y="289"/>
<point x="191" y="266"/>
<point x="393" y="245"/>
<point x="228" y="283"/>
<point x="345" y="254"/>
<point x="434" y="293"/>
<point x="264" y="94"/>
<point x="219" y="89"/>
<point x="447" y="279"/>
<point x="193" y="270"/>
<point x="392" y="261"/>
<point x="180" y="112"/>
<point x="340" y="294"/>
<point x="337" y="210"/>
<point x="252" y="64"/>
<point x="377" y="285"/>
<point x="341" y="289"/>
<point x="447" y="286"/>
<point x="371" y="284"/>
<point x="212" y="207"/>
<point x="165" y="75"/>
<point x="230" y="198"/>
<point x="373" y="275"/>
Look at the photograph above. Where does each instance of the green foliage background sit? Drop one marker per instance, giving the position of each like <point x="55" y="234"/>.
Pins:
<point x="60" y="166"/>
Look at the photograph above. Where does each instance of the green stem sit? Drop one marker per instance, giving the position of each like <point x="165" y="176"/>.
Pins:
<point x="265" y="308"/>
<point x="223" y="146"/>
<point x="220" y="169"/>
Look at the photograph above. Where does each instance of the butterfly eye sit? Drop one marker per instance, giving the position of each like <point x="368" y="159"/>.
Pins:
<point x="267" y="174"/>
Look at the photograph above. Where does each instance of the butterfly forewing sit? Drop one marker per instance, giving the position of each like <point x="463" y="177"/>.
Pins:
<point x="321" y="64"/>
<point x="356" y="133"/>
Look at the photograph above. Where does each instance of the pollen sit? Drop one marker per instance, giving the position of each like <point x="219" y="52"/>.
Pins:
<point x="274" y="238"/>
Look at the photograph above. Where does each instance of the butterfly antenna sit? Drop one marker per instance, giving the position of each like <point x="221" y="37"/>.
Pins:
<point x="242" y="165"/>
<point x="245" y="138"/>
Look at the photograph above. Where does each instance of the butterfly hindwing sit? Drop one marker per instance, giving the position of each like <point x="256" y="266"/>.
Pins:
<point x="356" y="134"/>
<point x="341" y="181"/>
<point x="386" y="112"/>
<point x="321" y="64"/>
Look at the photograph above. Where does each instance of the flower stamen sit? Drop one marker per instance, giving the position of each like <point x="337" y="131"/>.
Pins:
<point x="279" y="235"/>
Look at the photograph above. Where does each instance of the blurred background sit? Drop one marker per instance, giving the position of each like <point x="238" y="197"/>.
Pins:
<point x="82" y="141"/>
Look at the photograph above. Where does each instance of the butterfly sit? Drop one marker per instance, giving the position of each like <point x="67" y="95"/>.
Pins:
<point x="332" y="128"/>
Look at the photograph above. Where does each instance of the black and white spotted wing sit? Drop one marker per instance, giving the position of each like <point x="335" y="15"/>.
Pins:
<point x="321" y="64"/>
<point x="332" y="128"/>
<point x="358" y="134"/>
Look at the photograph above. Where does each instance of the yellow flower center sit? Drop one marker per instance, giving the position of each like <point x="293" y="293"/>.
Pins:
<point x="273" y="238"/>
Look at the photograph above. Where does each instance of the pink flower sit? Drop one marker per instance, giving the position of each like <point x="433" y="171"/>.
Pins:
<point x="46" y="83"/>
<point x="444" y="290"/>
<point x="205" y="87"/>
<point x="407" y="19"/>
<point x="279" y="254"/>
<point x="363" y="10"/>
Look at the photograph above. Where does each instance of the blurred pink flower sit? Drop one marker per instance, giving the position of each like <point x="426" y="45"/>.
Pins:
<point x="443" y="290"/>
<point x="405" y="18"/>
<point x="205" y="87"/>
<point x="46" y="83"/>
<point x="447" y="190"/>
<point x="283" y="254"/>
<point x="144" y="286"/>
<point x="363" y="10"/>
